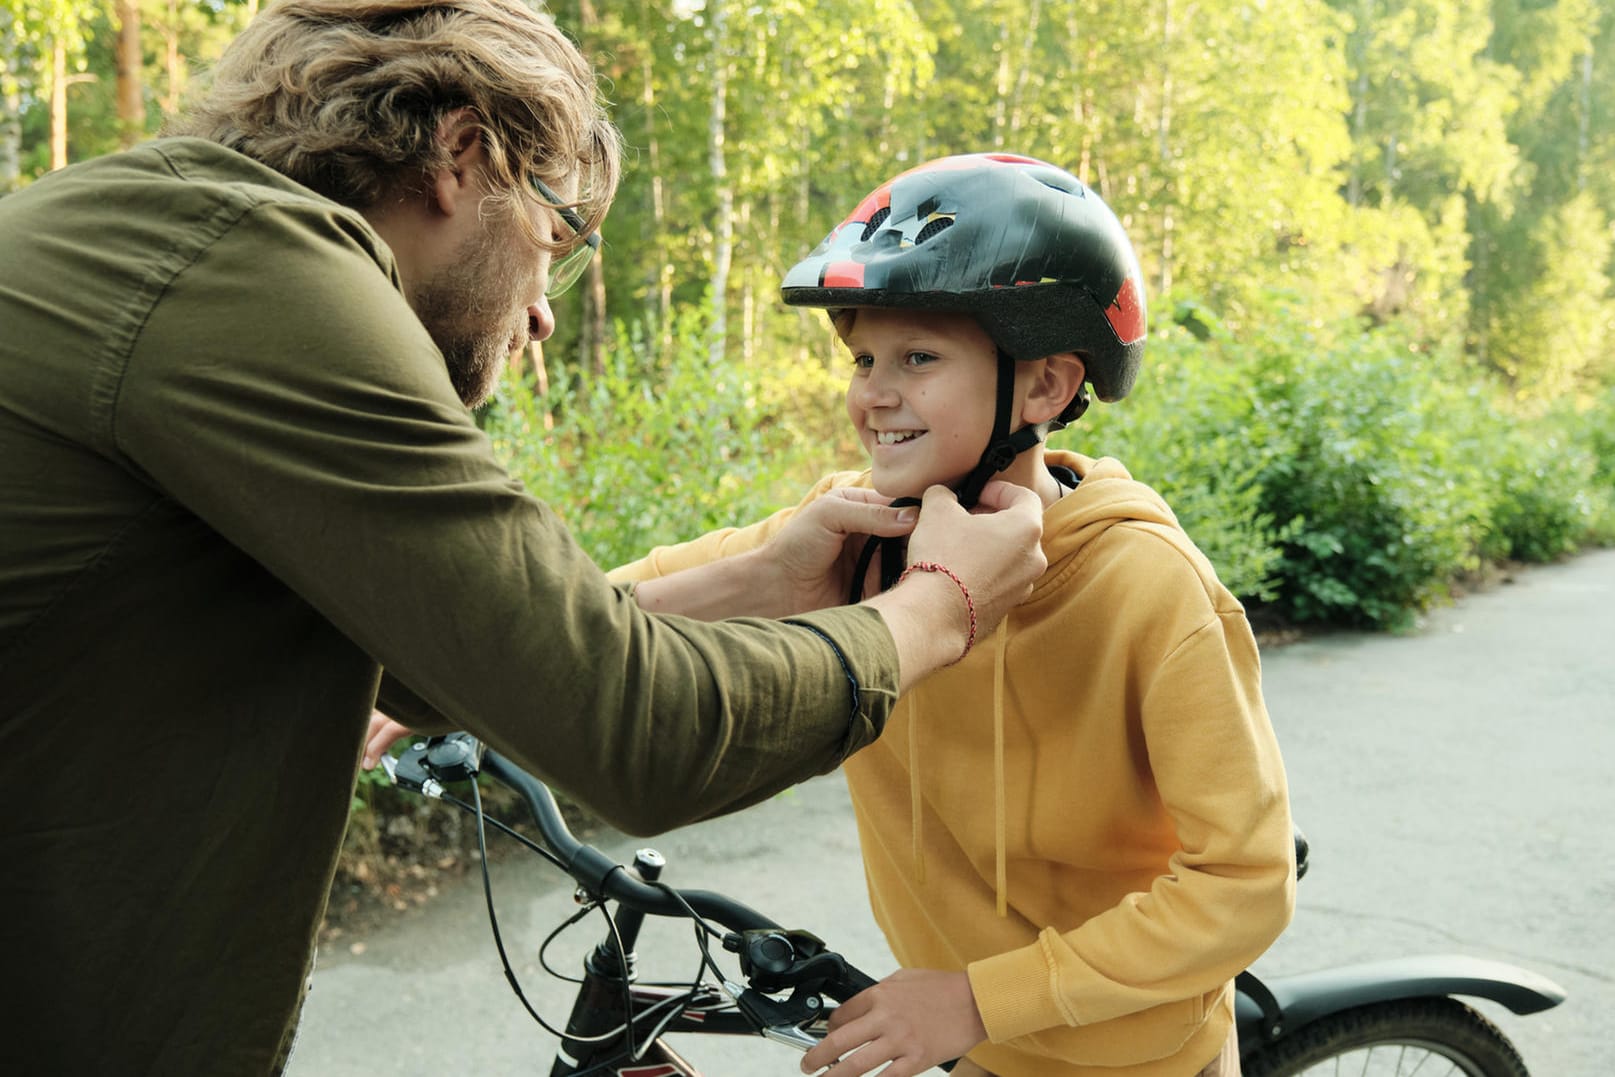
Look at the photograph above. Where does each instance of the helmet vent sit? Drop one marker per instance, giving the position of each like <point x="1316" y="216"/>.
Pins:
<point x="876" y="219"/>
<point x="932" y="228"/>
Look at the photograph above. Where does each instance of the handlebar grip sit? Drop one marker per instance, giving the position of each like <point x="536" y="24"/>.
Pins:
<point x="849" y="984"/>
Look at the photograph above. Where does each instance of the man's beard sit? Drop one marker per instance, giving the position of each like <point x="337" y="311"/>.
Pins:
<point x="459" y="303"/>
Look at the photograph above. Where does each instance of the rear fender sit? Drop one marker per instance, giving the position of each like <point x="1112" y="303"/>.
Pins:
<point x="1293" y="1001"/>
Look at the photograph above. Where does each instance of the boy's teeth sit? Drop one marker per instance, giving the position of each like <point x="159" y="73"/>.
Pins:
<point x="890" y="437"/>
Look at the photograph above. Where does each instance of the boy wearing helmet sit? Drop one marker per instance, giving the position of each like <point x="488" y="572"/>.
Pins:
<point x="1079" y="833"/>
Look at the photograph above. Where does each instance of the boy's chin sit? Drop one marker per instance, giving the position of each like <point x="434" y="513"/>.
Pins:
<point x="894" y="487"/>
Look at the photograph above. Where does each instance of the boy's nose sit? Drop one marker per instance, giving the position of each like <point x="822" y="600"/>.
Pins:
<point x="875" y="389"/>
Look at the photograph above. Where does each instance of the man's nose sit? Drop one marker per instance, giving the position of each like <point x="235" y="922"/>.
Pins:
<point x="540" y="320"/>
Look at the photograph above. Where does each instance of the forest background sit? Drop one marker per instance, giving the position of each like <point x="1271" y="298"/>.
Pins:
<point x="1377" y="237"/>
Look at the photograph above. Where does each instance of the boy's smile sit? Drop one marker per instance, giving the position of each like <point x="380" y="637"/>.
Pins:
<point x="921" y="395"/>
<point x="924" y="392"/>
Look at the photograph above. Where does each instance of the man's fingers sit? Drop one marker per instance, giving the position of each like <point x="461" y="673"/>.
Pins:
<point x="999" y="495"/>
<point x="864" y="512"/>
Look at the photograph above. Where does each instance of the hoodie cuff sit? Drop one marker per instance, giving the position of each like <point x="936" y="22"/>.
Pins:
<point x="1015" y="993"/>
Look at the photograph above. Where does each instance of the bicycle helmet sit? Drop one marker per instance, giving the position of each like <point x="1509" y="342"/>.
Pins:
<point x="1024" y="246"/>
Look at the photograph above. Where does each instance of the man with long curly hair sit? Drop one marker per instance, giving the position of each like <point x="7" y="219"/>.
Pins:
<point x="242" y="500"/>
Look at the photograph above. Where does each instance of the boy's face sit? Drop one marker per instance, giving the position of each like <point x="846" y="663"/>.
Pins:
<point x="922" y="395"/>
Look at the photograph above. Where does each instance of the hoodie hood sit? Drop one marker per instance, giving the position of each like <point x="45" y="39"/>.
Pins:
<point x="1107" y="496"/>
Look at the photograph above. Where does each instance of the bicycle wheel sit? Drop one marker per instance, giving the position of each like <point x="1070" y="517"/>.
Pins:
<point x="1433" y="1037"/>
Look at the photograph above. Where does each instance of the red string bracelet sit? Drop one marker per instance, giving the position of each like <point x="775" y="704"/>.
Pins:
<point x="970" y="605"/>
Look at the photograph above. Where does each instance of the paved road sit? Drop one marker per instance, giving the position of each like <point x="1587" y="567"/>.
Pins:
<point x="1458" y="785"/>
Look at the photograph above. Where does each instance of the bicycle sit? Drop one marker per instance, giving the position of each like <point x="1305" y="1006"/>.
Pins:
<point x="1386" y="1018"/>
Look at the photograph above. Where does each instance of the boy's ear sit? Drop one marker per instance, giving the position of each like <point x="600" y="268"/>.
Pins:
<point x="1055" y="379"/>
<point x="449" y="189"/>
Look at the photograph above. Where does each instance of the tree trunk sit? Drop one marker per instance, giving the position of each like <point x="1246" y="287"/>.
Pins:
<point x="1584" y="121"/>
<point x="723" y="226"/>
<point x="173" y="63"/>
<point x="1081" y="102"/>
<point x="592" y="333"/>
<point x="541" y="381"/>
<point x="592" y="340"/>
<point x="658" y="210"/>
<point x="1359" y="111"/>
<point x="10" y="107"/>
<point x="131" y="62"/>
<point x="1391" y="143"/>
<point x="1165" y="146"/>
<point x="1001" y="88"/>
<point x="1028" y="50"/>
<point x="748" y="296"/>
<point x="58" y="105"/>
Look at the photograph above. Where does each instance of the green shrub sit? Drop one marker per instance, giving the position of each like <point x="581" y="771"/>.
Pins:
<point x="1595" y="432"/>
<point x="652" y="451"/>
<point x="1188" y="429"/>
<point x="1550" y="498"/>
<point x="1380" y="473"/>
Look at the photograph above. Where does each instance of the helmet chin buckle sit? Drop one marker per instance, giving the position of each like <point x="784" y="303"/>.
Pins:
<point x="999" y="456"/>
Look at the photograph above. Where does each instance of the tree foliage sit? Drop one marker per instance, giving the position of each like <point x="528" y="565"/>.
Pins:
<point x="1342" y="189"/>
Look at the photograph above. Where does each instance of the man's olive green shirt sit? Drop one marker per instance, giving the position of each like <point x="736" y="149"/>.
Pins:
<point x="235" y="483"/>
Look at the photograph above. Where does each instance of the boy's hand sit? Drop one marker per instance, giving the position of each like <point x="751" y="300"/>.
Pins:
<point x="381" y="735"/>
<point x="909" y="1022"/>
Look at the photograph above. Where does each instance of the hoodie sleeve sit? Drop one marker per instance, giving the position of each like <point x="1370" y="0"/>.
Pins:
<point x="1228" y="890"/>
<point x="725" y="542"/>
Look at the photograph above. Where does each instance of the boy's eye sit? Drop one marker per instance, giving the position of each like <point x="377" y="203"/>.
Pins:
<point x="863" y="362"/>
<point x="921" y="358"/>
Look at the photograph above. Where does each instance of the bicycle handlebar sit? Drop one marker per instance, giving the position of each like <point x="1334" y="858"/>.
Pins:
<point x="602" y="876"/>
<point x="773" y="959"/>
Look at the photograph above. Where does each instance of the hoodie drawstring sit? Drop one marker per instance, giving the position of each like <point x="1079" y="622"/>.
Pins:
<point x="1000" y="865"/>
<point x="915" y="806"/>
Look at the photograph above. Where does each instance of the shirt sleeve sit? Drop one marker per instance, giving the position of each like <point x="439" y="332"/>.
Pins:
<point x="1229" y="889"/>
<point x="283" y="391"/>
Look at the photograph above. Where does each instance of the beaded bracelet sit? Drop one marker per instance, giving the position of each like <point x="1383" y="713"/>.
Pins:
<point x="970" y="605"/>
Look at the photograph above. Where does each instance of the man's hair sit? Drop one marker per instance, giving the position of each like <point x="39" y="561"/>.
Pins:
<point x="346" y="97"/>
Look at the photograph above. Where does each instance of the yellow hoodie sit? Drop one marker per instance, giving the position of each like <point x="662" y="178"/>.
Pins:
<point x="1089" y="812"/>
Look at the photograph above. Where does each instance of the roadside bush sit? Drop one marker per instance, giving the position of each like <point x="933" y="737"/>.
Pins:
<point x="1189" y="430"/>
<point x="1595" y="432"/>
<point x="1549" y="497"/>
<point x="1380" y="474"/>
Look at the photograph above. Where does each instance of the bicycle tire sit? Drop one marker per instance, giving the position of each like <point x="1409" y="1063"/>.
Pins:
<point x="1389" y="1039"/>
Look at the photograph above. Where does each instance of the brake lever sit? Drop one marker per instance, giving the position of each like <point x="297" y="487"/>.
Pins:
<point x="781" y="1021"/>
<point x="427" y="765"/>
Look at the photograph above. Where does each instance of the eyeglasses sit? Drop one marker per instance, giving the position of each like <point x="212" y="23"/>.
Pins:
<point x="565" y="270"/>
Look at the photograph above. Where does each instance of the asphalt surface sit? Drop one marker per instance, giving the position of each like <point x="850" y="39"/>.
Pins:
<point x="1456" y="785"/>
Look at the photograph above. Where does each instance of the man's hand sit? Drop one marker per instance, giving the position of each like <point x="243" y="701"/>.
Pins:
<point x="996" y="553"/>
<point x="996" y="549"/>
<point x="807" y="566"/>
<point x="383" y="734"/>
<point x="909" y="1022"/>
<point x="815" y="554"/>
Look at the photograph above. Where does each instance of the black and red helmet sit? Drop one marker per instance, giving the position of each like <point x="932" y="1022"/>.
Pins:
<point x="1024" y="246"/>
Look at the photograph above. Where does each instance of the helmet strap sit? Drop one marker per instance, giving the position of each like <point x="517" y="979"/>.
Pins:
<point x="1003" y="447"/>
